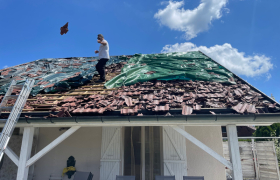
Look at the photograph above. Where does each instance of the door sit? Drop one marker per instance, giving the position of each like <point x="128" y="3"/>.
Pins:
<point x="110" y="153"/>
<point x="142" y="152"/>
<point x="174" y="153"/>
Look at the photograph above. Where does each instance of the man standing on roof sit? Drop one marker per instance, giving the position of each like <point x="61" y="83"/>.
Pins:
<point x="103" y="57"/>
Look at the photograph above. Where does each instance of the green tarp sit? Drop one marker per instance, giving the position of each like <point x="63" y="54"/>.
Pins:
<point x="171" y="66"/>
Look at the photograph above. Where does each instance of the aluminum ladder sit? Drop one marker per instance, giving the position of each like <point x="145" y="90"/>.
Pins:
<point x="15" y="110"/>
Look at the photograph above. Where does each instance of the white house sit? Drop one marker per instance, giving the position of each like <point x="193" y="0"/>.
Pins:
<point x="156" y="127"/>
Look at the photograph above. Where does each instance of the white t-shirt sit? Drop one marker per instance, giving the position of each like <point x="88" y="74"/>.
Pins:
<point x="104" y="50"/>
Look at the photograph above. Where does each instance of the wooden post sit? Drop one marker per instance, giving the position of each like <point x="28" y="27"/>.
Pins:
<point x="122" y="151"/>
<point x="35" y="142"/>
<point x="143" y="152"/>
<point x="52" y="145"/>
<point x="25" y="152"/>
<point x="255" y="159"/>
<point x="234" y="152"/>
<point x="151" y="151"/>
<point x="10" y="153"/>
<point x="202" y="146"/>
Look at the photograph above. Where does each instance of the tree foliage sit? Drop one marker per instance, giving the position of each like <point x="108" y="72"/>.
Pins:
<point x="268" y="131"/>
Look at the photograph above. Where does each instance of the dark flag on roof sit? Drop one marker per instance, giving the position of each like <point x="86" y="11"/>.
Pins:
<point x="64" y="29"/>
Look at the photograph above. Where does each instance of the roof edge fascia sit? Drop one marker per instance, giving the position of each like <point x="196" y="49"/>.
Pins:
<point x="214" y="120"/>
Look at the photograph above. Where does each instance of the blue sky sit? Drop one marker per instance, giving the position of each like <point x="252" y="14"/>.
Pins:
<point x="242" y="35"/>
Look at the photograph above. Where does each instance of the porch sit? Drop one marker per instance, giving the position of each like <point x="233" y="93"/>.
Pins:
<point x="107" y="151"/>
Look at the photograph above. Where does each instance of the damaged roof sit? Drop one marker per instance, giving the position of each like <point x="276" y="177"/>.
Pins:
<point x="81" y="96"/>
<point x="54" y="74"/>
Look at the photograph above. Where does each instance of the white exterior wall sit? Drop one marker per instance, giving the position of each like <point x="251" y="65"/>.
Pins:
<point x="199" y="162"/>
<point x="84" y="145"/>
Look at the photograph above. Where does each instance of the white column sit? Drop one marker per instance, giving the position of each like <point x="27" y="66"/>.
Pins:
<point x="143" y="152"/>
<point x="25" y="153"/>
<point x="234" y="152"/>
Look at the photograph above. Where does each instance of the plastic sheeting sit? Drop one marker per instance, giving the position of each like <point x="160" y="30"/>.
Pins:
<point x="53" y="75"/>
<point x="170" y="66"/>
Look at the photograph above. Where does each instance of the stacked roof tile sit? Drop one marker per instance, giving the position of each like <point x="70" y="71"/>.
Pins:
<point x="152" y="97"/>
<point x="166" y="95"/>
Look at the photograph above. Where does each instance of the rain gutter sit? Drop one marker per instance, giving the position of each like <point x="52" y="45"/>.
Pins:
<point x="203" y="118"/>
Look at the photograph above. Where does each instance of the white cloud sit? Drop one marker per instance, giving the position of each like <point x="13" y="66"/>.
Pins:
<point x="231" y="58"/>
<point x="6" y="66"/>
<point x="192" y="21"/>
<point x="226" y="10"/>
<point x="268" y="76"/>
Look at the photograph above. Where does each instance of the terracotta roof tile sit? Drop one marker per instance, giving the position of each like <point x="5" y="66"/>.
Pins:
<point x="162" y="108"/>
<point x="158" y="96"/>
<point x="70" y="99"/>
<point x="187" y="110"/>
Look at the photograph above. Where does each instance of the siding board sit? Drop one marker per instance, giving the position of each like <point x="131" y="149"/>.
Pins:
<point x="174" y="153"/>
<point x="110" y="153"/>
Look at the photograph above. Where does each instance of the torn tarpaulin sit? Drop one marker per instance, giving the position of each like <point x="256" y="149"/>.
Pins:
<point x="55" y="74"/>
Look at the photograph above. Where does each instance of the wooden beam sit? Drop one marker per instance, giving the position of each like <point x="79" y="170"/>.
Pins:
<point x="52" y="145"/>
<point x="203" y="146"/>
<point x="234" y="152"/>
<point x="10" y="153"/>
<point x="255" y="159"/>
<point x="25" y="153"/>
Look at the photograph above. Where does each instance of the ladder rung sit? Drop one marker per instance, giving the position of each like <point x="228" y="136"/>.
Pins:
<point x="11" y="97"/>
<point x="9" y="108"/>
<point x="17" y="86"/>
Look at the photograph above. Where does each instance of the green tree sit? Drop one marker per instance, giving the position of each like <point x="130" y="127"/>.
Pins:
<point x="268" y="131"/>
